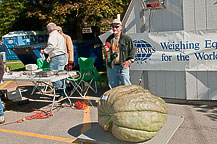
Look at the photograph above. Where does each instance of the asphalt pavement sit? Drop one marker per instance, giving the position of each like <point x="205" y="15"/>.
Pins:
<point x="66" y="124"/>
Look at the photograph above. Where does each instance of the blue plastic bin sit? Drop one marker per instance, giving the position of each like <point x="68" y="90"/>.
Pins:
<point x="88" y="49"/>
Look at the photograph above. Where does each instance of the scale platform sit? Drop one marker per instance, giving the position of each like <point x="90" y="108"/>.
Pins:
<point x="99" y="136"/>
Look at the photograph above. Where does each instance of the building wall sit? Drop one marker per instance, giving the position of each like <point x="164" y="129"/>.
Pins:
<point x="178" y="15"/>
<point x="201" y="85"/>
<point x="199" y="14"/>
<point x="190" y="85"/>
<point x="139" y="20"/>
<point x="168" y="19"/>
<point x="133" y="18"/>
<point x="167" y="84"/>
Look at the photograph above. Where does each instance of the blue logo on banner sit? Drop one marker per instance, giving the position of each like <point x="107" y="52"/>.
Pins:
<point x="144" y="50"/>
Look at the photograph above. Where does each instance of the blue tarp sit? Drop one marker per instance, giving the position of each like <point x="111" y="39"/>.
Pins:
<point x="28" y="54"/>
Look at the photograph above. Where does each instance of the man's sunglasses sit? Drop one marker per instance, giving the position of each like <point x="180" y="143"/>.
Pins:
<point x="115" y="27"/>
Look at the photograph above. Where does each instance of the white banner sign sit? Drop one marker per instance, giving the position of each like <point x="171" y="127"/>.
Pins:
<point x="176" y="51"/>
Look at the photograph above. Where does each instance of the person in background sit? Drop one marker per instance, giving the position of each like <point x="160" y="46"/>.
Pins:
<point x="120" y="53"/>
<point x="57" y="54"/>
<point x="2" y="118"/>
<point x="69" y="49"/>
<point x="2" y="53"/>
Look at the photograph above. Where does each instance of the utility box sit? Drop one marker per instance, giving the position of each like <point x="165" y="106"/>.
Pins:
<point x="154" y="4"/>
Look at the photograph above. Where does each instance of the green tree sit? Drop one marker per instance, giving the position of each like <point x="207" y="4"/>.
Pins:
<point x="74" y="13"/>
<point x="67" y="13"/>
<point x="9" y="13"/>
<point x="14" y="17"/>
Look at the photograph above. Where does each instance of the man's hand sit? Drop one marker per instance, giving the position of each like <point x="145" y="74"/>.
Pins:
<point x="48" y="59"/>
<point x="106" y="48"/>
<point x="71" y="65"/>
<point x="127" y="63"/>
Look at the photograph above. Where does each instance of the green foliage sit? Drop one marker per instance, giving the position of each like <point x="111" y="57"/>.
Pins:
<point x="35" y="14"/>
<point x="14" y="17"/>
<point x="9" y="13"/>
<point x="96" y="12"/>
<point x="90" y="11"/>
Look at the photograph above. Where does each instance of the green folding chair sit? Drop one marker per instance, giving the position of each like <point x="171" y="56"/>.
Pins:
<point x="88" y="76"/>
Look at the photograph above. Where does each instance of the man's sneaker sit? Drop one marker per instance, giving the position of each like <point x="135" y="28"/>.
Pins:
<point x="2" y="119"/>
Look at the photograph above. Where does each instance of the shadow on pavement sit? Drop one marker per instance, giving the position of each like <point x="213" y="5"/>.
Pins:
<point x="39" y="101"/>
<point x="27" y="106"/>
<point x="76" y="131"/>
<point x="208" y="110"/>
<point x="35" y="101"/>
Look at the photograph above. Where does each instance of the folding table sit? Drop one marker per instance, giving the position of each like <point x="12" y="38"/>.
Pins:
<point x="35" y="79"/>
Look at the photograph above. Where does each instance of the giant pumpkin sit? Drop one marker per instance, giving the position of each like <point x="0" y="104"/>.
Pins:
<point x="131" y="113"/>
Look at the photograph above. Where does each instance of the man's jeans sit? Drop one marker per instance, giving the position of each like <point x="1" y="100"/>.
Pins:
<point x="118" y="76"/>
<point x="58" y="63"/>
<point x="1" y="108"/>
<point x="3" y="56"/>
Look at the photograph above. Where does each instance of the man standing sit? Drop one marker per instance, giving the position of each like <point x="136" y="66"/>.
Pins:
<point x="2" y="53"/>
<point x="120" y="53"/>
<point x="2" y="118"/>
<point x="56" y="51"/>
<point x="69" y="49"/>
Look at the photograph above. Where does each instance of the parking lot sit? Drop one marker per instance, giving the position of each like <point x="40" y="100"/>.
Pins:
<point x="66" y="124"/>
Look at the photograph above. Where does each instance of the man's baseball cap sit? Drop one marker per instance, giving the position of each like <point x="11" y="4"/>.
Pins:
<point x="116" y="21"/>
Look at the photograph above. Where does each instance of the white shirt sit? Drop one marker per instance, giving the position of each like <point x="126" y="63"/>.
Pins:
<point x="55" y="44"/>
